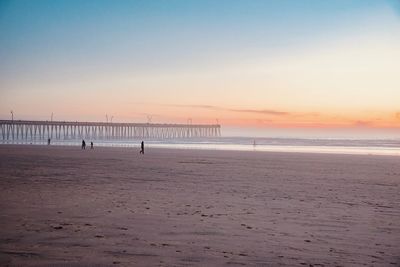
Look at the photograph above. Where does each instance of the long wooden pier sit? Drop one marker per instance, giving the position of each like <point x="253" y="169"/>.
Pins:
<point x="13" y="130"/>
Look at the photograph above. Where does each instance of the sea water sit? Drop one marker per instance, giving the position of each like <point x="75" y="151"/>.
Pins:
<point x="303" y="145"/>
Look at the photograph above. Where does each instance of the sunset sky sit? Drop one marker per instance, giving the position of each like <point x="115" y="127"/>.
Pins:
<point x="282" y="65"/>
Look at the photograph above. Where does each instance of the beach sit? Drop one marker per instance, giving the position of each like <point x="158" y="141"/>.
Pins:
<point x="114" y="207"/>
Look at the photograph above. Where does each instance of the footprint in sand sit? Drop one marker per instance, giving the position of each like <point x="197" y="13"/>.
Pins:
<point x="247" y="226"/>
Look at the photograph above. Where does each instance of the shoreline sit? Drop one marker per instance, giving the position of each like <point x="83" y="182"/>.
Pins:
<point x="273" y="149"/>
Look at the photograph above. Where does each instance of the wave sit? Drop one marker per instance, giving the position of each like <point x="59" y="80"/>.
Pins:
<point x="337" y="146"/>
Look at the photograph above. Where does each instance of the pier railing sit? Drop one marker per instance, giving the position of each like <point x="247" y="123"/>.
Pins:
<point x="68" y="130"/>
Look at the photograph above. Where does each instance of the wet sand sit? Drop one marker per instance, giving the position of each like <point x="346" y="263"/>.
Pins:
<point x="114" y="207"/>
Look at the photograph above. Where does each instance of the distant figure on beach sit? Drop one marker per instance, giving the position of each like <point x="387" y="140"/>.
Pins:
<point x="48" y="141"/>
<point x="91" y="145"/>
<point x="83" y="144"/>
<point x="142" y="148"/>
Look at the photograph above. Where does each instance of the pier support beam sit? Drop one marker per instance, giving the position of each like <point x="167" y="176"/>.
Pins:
<point x="62" y="130"/>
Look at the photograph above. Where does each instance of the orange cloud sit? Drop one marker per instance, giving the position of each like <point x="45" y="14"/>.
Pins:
<point x="363" y="123"/>
<point x="257" y="111"/>
<point x="265" y="117"/>
<point x="261" y="111"/>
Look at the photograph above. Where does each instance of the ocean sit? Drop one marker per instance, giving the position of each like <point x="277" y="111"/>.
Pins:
<point x="300" y="145"/>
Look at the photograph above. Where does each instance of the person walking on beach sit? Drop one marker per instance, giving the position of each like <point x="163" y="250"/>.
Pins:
<point x="48" y="141"/>
<point x="142" y="148"/>
<point x="91" y="145"/>
<point x="83" y="144"/>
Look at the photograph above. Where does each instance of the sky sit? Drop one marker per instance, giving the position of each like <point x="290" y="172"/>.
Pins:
<point x="283" y="67"/>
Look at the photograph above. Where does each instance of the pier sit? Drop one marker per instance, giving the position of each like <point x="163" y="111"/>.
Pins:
<point x="25" y="130"/>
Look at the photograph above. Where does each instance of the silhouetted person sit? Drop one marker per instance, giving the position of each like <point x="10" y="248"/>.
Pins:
<point x="48" y="141"/>
<point x="91" y="145"/>
<point x="142" y="148"/>
<point x="83" y="144"/>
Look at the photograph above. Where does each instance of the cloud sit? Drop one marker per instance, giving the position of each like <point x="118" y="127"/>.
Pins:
<point x="262" y="111"/>
<point x="256" y="111"/>
<point x="197" y="106"/>
<point x="264" y="121"/>
<point x="362" y="123"/>
<point x="397" y="115"/>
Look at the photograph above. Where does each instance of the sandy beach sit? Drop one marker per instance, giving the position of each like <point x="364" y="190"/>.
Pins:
<point x="114" y="207"/>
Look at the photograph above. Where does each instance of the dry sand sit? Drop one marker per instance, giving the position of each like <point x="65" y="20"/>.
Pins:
<point x="114" y="207"/>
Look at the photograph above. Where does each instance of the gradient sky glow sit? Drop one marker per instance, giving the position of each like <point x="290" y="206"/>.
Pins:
<point x="257" y="64"/>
